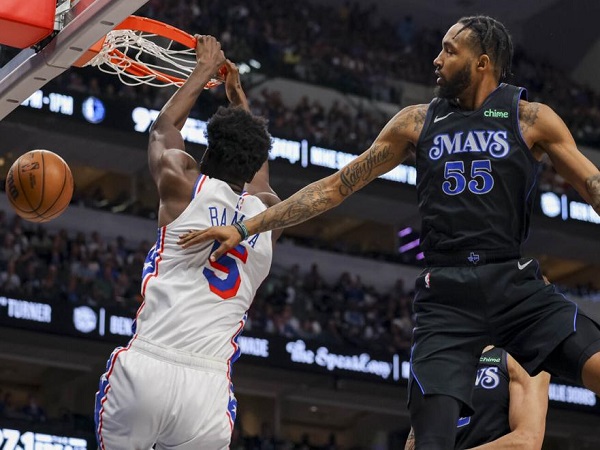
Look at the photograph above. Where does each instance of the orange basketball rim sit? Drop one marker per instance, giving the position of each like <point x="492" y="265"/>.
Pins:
<point x="136" y="69"/>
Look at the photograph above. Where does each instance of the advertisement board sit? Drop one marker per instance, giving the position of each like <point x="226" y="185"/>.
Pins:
<point x="24" y="439"/>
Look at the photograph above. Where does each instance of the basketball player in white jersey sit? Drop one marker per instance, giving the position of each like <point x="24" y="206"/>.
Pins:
<point x="171" y="386"/>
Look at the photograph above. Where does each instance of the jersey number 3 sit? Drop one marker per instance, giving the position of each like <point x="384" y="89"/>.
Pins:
<point x="226" y="287"/>
<point x="481" y="181"/>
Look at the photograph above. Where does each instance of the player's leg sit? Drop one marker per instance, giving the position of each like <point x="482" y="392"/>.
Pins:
<point x="543" y="330"/>
<point x="448" y="338"/>
<point x="204" y="416"/>
<point x="577" y="358"/>
<point x="128" y="403"/>
<point x="530" y="318"/>
<point x="434" y="419"/>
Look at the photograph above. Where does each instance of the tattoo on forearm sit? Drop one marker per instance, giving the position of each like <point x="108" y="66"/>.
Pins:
<point x="593" y="187"/>
<point x="305" y="204"/>
<point x="360" y="171"/>
<point x="315" y="199"/>
<point x="528" y="116"/>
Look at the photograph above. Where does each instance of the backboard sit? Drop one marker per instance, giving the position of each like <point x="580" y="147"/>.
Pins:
<point x="83" y="25"/>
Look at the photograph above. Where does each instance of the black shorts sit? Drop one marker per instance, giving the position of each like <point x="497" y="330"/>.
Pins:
<point x="460" y="310"/>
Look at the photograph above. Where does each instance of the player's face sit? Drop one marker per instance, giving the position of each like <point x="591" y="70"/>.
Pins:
<point x="454" y="64"/>
<point x="455" y="84"/>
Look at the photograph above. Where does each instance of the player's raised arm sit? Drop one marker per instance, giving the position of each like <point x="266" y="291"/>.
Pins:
<point x="165" y="131"/>
<point x="233" y="87"/>
<point x="550" y="134"/>
<point x="260" y="185"/>
<point x="173" y="170"/>
<point x="389" y="149"/>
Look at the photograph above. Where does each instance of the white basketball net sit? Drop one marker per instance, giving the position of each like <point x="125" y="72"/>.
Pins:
<point x="138" y="46"/>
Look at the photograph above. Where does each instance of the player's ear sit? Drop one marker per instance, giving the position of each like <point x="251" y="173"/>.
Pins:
<point x="483" y="62"/>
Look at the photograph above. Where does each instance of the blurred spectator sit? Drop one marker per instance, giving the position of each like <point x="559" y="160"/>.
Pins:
<point x="313" y="281"/>
<point x="406" y="33"/>
<point x="237" y="439"/>
<point x="8" y="408"/>
<point x="265" y="440"/>
<point x="33" y="411"/>
<point x="10" y="282"/>
<point x="332" y="443"/>
<point x="50" y="287"/>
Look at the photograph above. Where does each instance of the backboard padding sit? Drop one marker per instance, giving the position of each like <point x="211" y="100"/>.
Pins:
<point x="85" y="24"/>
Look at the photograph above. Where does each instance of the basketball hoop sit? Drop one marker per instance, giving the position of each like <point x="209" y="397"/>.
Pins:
<point x="146" y="51"/>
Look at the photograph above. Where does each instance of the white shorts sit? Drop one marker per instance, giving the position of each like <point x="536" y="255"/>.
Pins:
<point x="151" y="395"/>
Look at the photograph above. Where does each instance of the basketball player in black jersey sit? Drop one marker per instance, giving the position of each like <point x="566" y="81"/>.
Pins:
<point x="478" y="145"/>
<point x="510" y="407"/>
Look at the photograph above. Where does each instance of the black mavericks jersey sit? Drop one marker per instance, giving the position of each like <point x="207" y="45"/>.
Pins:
<point x="476" y="176"/>
<point x="490" y="401"/>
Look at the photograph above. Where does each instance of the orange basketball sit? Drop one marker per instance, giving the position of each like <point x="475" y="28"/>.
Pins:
<point x="39" y="185"/>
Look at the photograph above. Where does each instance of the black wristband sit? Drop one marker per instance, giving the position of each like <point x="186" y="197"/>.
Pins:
<point x="242" y="230"/>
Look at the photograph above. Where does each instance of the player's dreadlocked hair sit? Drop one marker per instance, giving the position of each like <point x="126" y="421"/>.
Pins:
<point x="238" y="145"/>
<point x="493" y="39"/>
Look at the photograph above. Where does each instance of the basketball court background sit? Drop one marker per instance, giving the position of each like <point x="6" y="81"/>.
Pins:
<point x="63" y="370"/>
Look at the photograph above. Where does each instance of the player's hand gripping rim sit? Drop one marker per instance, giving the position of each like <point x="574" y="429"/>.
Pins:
<point x="208" y="52"/>
<point x="228" y="237"/>
<point x="233" y="86"/>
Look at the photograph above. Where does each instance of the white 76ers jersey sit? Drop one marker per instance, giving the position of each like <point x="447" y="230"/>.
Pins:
<point x="194" y="305"/>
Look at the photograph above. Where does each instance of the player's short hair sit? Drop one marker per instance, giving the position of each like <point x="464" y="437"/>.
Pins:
<point x="238" y="145"/>
<point x="492" y="37"/>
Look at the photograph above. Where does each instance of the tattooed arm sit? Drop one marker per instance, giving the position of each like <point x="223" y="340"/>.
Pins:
<point x="389" y="149"/>
<point x="546" y="133"/>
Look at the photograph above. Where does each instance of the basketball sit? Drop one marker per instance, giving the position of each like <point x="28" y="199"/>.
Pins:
<point x="39" y="185"/>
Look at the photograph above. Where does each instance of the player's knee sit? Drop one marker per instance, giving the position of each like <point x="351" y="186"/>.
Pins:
<point x="433" y="418"/>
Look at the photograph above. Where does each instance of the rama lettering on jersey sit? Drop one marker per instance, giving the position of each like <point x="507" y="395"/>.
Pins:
<point x="495" y="143"/>
<point x="220" y="217"/>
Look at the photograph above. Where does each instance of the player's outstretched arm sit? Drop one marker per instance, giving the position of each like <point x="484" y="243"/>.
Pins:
<point x="551" y="135"/>
<point x="528" y="405"/>
<point x="388" y="150"/>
